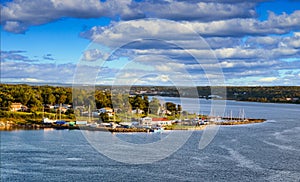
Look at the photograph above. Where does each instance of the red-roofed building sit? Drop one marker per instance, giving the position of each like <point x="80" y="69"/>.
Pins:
<point x="161" y="121"/>
<point x="147" y="121"/>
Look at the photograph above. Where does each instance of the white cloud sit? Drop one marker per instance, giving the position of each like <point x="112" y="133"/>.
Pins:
<point x="245" y="46"/>
<point x="166" y="30"/>
<point x="93" y="55"/>
<point x="239" y="57"/>
<point x="14" y="26"/>
<point x="267" y="79"/>
<point x="239" y="27"/>
<point x="37" y="72"/>
<point x="18" y="15"/>
<point x="292" y="41"/>
<point x="199" y="11"/>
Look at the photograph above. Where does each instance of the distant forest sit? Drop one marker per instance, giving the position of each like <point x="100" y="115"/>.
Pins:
<point x="35" y="97"/>
<point x="274" y="94"/>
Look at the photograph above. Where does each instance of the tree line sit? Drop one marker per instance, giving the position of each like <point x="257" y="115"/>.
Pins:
<point x="36" y="97"/>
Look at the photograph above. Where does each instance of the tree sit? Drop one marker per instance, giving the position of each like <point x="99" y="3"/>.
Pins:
<point x="62" y="98"/>
<point x="171" y="106"/>
<point x="137" y="102"/>
<point x="146" y="103"/>
<point x="35" y="104"/>
<point x="51" y="99"/>
<point x="179" y="108"/>
<point x="117" y="101"/>
<point x="154" y="106"/>
<point x="5" y="101"/>
<point x="104" y="117"/>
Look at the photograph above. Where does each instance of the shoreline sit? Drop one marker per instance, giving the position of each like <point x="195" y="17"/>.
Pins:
<point x="11" y="127"/>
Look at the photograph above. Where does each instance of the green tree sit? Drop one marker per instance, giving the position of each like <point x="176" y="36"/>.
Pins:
<point x="104" y="117"/>
<point x="154" y="106"/>
<point x="171" y="106"/>
<point x="62" y="99"/>
<point x="51" y="99"/>
<point x="118" y="103"/>
<point x="5" y="101"/>
<point x="179" y="108"/>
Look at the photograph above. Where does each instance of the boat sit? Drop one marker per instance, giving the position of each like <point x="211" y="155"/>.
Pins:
<point x="158" y="129"/>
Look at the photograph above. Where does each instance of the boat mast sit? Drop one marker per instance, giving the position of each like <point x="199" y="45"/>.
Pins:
<point x="89" y="112"/>
<point x="60" y="111"/>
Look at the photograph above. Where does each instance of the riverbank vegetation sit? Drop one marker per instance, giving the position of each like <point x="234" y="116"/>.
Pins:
<point x="46" y="101"/>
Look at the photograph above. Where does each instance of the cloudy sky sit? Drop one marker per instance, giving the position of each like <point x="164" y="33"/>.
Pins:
<point x="158" y="42"/>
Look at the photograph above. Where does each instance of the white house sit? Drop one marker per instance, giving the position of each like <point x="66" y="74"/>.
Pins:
<point x="16" y="107"/>
<point x="107" y="110"/>
<point x="137" y="111"/>
<point x="147" y="121"/>
<point x="161" y="121"/>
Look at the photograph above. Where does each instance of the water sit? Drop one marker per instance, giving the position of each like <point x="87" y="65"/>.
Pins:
<point x="267" y="151"/>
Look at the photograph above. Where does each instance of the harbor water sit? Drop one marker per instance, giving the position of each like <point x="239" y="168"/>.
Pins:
<point x="268" y="151"/>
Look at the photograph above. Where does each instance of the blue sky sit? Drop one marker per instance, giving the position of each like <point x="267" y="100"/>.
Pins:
<point x="161" y="42"/>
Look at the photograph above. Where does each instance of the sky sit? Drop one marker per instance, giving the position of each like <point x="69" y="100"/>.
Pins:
<point x="147" y="42"/>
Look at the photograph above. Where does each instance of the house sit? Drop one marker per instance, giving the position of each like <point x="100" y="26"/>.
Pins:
<point x="106" y="110"/>
<point x="16" y="106"/>
<point x="147" y="121"/>
<point x="161" y="121"/>
<point x="165" y="112"/>
<point x="48" y="107"/>
<point x="67" y="106"/>
<point x="137" y="111"/>
<point x="63" y="108"/>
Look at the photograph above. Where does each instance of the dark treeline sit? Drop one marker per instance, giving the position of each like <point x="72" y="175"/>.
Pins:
<point x="281" y="94"/>
<point x="274" y="94"/>
<point x="35" y="97"/>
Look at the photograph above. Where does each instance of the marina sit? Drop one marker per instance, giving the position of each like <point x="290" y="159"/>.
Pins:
<point x="261" y="152"/>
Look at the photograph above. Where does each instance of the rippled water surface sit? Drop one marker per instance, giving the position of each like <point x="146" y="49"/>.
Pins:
<point x="267" y="151"/>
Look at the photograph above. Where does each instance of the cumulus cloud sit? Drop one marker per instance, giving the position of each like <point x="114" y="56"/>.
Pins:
<point x="238" y="56"/>
<point x="93" y="55"/>
<point x="167" y="30"/>
<point x="196" y="10"/>
<point x="14" y="26"/>
<point x="18" y="15"/>
<point x="275" y="24"/>
<point x="292" y="41"/>
<point x="161" y="32"/>
<point x="244" y="45"/>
